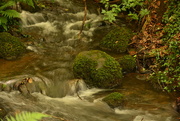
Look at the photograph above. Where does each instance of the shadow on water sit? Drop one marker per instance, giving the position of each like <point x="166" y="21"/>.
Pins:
<point x="50" y="66"/>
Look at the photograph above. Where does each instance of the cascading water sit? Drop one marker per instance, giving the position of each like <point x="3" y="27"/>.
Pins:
<point x="56" y="92"/>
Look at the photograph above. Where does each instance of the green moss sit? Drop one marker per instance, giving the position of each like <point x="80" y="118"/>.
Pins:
<point x="10" y="47"/>
<point x="114" y="99"/>
<point x="117" y="40"/>
<point x="127" y="62"/>
<point x="97" y="69"/>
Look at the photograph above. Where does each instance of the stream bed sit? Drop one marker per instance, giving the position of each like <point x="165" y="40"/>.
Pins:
<point x="49" y="64"/>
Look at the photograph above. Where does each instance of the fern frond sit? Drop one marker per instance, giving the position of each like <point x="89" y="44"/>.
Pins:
<point x="8" y="4"/>
<point x="10" y="14"/>
<point x="3" y="20"/>
<point x="4" y="27"/>
<point x="27" y="116"/>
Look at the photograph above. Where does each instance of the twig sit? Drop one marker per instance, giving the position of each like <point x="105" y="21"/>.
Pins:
<point x="77" y="90"/>
<point x="84" y="19"/>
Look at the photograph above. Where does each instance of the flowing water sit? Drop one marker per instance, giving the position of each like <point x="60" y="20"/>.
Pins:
<point x="57" y="93"/>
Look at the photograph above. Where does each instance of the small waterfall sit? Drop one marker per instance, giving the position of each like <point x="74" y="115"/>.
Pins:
<point x="31" y="18"/>
<point x="61" y="25"/>
<point x="37" y="22"/>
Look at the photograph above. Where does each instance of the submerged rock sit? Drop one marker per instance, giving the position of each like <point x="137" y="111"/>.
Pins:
<point x="116" y="40"/>
<point x="97" y="69"/>
<point x="114" y="99"/>
<point x="10" y="47"/>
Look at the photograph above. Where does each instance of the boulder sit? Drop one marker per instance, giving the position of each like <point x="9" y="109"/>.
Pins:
<point x="114" y="99"/>
<point x="10" y="47"/>
<point x="127" y="62"/>
<point x="97" y="69"/>
<point x="116" y="40"/>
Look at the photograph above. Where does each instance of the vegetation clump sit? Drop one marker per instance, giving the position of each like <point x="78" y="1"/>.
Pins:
<point x="167" y="73"/>
<point x="135" y="9"/>
<point x="97" y="68"/>
<point x="117" y="40"/>
<point x="10" y="47"/>
<point x="127" y="62"/>
<point x="114" y="99"/>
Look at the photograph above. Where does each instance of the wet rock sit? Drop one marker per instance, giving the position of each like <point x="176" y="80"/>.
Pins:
<point x="23" y="89"/>
<point x="1" y="86"/>
<point x="31" y="87"/>
<point x="16" y="85"/>
<point x="6" y="88"/>
<point x="41" y="87"/>
<point x="25" y="86"/>
<point x="75" y="85"/>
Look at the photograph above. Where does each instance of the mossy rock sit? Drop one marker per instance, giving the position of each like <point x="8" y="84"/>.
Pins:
<point x="114" y="99"/>
<point x="117" y="40"/>
<point x="10" y="47"/>
<point x="97" y="68"/>
<point x="127" y="62"/>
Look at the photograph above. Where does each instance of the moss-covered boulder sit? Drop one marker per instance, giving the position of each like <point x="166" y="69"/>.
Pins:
<point x="114" y="99"/>
<point x="10" y="47"/>
<point x="97" y="68"/>
<point x="117" y="40"/>
<point x="127" y="62"/>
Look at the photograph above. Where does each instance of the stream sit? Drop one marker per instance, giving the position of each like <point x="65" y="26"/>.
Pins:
<point x="49" y="64"/>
